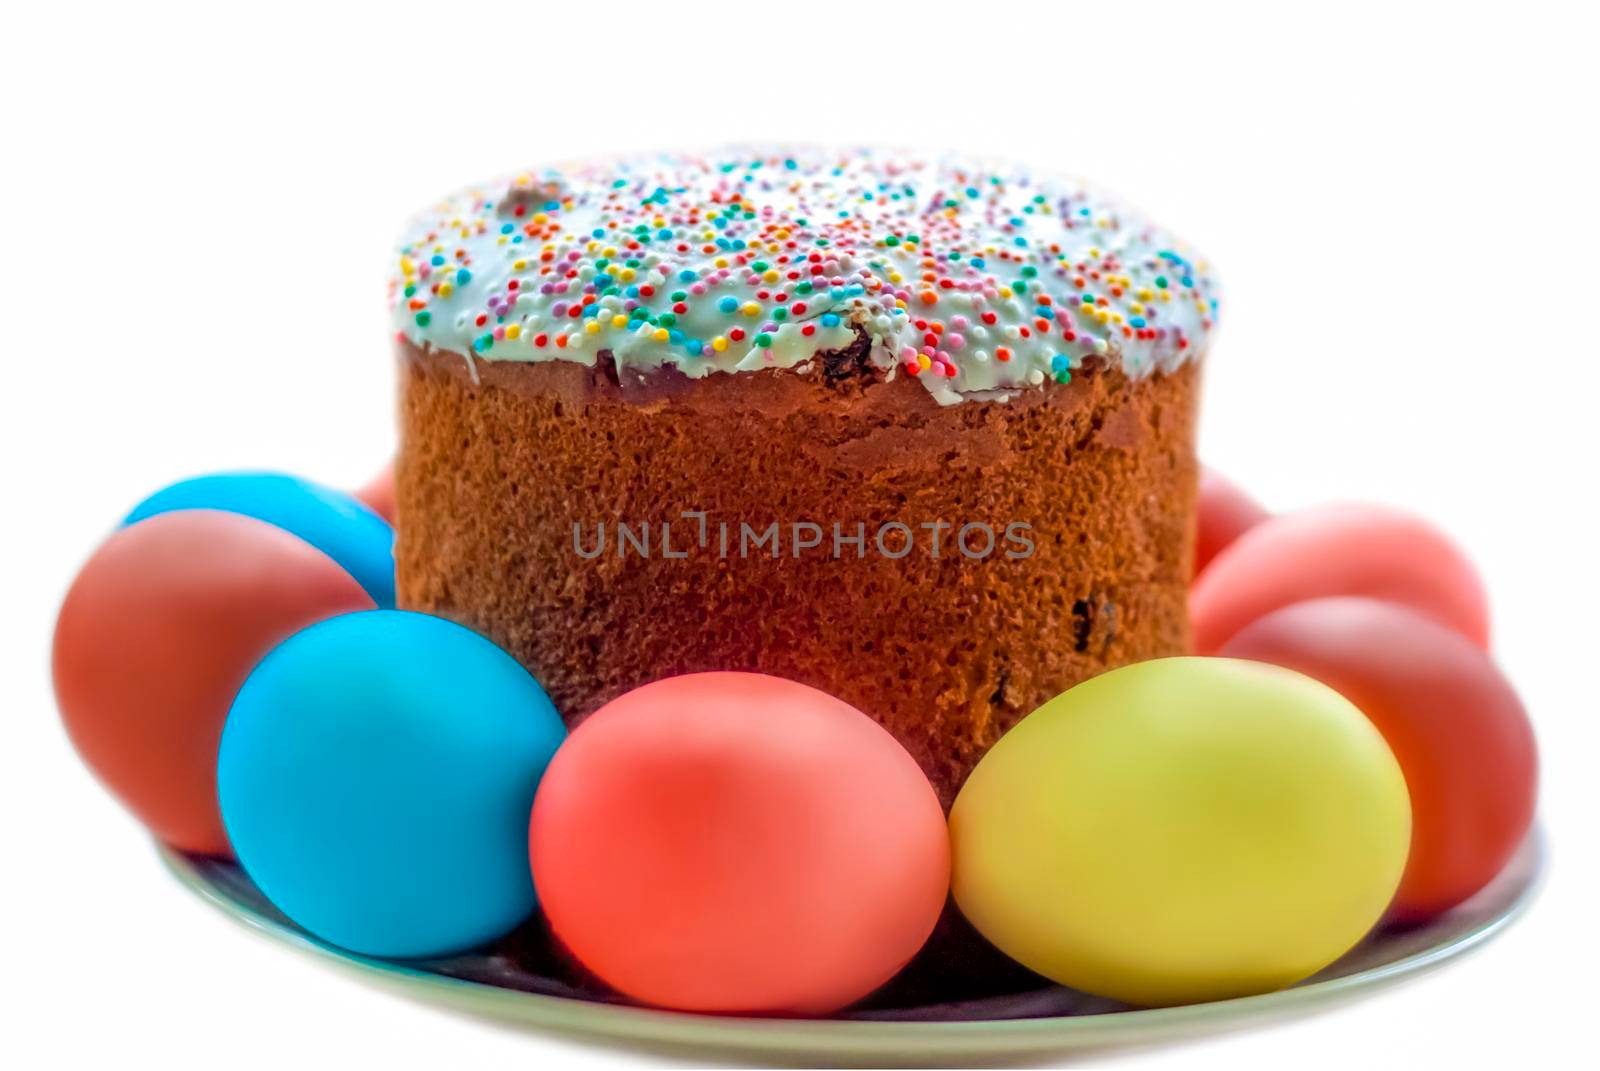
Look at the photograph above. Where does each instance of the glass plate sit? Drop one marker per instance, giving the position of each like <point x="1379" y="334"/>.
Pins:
<point x="532" y="988"/>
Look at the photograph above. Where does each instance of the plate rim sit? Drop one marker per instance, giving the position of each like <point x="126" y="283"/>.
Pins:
<point x="882" y="1039"/>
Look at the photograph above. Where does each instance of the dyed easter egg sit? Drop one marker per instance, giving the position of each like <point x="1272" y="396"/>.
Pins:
<point x="376" y="776"/>
<point x="155" y="636"/>
<point x="378" y="495"/>
<point x="335" y="523"/>
<point x="1337" y="550"/>
<point x="1182" y="830"/>
<point x="1451" y="718"/>
<point x="733" y="842"/>
<point x="1224" y="514"/>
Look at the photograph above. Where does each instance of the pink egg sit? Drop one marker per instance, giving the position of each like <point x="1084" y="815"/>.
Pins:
<point x="1226" y="512"/>
<point x="157" y="633"/>
<point x="378" y="494"/>
<point x="1450" y="717"/>
<point x="1375" y="551"/>
<point x="732" y="842"/>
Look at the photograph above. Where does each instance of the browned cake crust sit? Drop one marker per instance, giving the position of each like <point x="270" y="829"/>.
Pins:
<point x="497" y="467"/>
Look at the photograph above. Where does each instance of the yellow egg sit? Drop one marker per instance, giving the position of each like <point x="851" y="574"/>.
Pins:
<point x="1182" y="830"/>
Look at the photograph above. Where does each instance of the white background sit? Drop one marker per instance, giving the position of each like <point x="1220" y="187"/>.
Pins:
<point x="197" y="215"/>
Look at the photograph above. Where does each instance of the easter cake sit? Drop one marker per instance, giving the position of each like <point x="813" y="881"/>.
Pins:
<point x="914" y="432"/>
<point x="787" y="617"/>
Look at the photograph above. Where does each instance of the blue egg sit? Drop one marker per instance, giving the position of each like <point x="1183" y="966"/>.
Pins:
<point x="376" y="777"/>
<point x="335" y="523"/>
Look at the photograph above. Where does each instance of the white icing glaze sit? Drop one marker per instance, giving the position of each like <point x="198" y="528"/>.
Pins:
<point x="977" y="280"/>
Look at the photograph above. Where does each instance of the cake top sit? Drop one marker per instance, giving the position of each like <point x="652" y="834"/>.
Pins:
<point x="978" y="280"/>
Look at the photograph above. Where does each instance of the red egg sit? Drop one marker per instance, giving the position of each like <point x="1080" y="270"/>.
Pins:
<point x="157" y="633"/>
<point x="1225" y="513"/>
<point x="378" y="494"/>
<point x="1450" y="717"/>
<point x="1337" y="550"/>
<point x="732" y="842"/>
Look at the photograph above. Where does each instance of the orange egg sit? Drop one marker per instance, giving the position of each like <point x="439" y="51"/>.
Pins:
<point x="1374" y="551"/>
<point x="732" y="842"/>
<point x="156" y="635"/>
<point x="1225" y="513"/>
<point x="1451" y="719"/>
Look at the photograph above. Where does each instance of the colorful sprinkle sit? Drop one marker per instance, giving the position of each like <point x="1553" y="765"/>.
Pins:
<point x="978" y="281"/>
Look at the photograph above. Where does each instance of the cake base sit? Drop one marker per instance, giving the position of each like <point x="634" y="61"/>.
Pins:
<point x="765" y="519"/>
